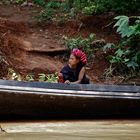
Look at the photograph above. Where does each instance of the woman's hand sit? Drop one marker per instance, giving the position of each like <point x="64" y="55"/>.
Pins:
<point x="60" y="78"/>
<point x="67" y="82"/>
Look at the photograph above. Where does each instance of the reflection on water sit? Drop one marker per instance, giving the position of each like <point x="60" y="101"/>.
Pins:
<point x="72" y="130"/>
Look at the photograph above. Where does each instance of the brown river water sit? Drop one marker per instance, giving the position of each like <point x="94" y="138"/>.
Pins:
<point x="72" y="130"/>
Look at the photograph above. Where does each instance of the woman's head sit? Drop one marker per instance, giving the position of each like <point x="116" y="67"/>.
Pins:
<point x="73" y="60"/>
<point x="76" y="57"/>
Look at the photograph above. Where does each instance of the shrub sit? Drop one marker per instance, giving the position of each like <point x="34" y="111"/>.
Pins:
<point x="81" y="43"/>
<point x="48" y="10"/>
<point x="51" y="78"/>
<point x="95" y="6"/>
<point x="45" y="15"/>
<point x="120" y="6"/>
<point x="126" y="58"/>
<point x="41" y="3"/>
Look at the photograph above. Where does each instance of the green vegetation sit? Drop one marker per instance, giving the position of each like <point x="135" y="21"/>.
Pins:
<point x="126" y="57"/>
<point x="45" y="15"/>
<point x="48" y="10"/>
<point x="51" y="78"/>
<point x="12" y="75"/>
<point x="88" y="7"/>
<point x="30" y="77"/>
<point x="97" y="6"/>
<point x="7" y="2"/>
<point x="81" y="43"/>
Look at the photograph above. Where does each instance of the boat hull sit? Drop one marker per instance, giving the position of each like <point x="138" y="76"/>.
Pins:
<point x="44" y="100"/>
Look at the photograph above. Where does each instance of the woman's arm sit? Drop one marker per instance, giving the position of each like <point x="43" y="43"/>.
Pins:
<point x="81" y="75"/>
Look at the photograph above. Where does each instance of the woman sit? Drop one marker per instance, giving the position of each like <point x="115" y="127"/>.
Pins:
<point x="74" y="71"/>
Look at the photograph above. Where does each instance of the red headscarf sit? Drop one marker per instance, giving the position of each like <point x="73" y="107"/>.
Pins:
<point x="80" y="54"/>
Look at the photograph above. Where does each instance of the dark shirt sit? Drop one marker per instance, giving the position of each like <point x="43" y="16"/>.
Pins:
<point x="73" y="74"/>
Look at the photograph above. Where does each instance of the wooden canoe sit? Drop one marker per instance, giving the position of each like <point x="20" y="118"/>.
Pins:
<point x="47" y="100"/>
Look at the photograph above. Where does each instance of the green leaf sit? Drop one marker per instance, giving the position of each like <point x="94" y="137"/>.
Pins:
<point x="130" y="31"/>
<point x="30" y="77"/>
<point x="127" y="52"/>
<point x="108" y="46"/>
<point x="126" y="60"/>
<point x="121" y="21"/>
<point x="92" y="36"/>
<point x="119" y="53"/>
<point x="123" y="27"/>
<point x="132" y="64"/>
<point x="42" y="77"/>
<point x="115" y="60"/>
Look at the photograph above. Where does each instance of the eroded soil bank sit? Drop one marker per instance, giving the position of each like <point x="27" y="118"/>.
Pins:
<point x="33" y="48"/>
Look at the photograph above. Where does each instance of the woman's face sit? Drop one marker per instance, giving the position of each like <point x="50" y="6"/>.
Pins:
<point x="73" y="60"/>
